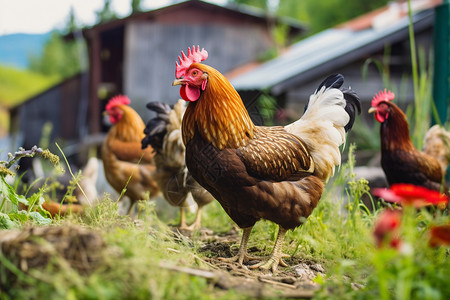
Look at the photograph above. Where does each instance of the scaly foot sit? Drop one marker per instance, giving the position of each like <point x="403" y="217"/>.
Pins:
<point x="239" y="258"/>
<point x="242" y="255"/>
<point x="271" y="263"/>
<point x="277" y="256"/>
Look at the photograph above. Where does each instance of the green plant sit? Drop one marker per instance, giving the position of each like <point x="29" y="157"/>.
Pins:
<point x="11" y="213"/>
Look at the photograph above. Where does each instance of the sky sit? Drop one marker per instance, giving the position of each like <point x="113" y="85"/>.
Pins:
<point x="41" y="16"/>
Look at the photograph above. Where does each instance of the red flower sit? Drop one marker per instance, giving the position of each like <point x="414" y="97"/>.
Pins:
<point x="440" y="235"/>
<point x="386" y="229"/>
<point x="409" y="194"/>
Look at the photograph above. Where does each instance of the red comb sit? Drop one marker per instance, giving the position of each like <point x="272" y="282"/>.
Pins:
<point x="117" y="100"/>
<point x="385" y="96"/>
<point x="185" y="61"/>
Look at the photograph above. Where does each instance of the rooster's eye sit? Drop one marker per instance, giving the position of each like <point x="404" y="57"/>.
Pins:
<point x="194" y="73"/>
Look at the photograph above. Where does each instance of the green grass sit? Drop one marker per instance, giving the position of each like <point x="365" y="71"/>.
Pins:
<point x="18" y="85"/>
<point x="337" y="235"/>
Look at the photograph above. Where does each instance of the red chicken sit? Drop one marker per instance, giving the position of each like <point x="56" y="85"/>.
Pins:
<point x="126" y="165"/>
<point x="400" y="160"/>
<point x="274" y="173"/>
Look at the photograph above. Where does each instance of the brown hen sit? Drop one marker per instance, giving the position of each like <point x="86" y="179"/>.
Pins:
<point x="127" y="167"/>
<point x="400" y="160"/>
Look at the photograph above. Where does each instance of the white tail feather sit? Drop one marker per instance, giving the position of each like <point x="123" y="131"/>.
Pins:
<point x="322" y="128"/>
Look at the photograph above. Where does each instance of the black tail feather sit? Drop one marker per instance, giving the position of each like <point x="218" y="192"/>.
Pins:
<point x="332" y="81"/>
<point x="155" y="130"/>
<point x="353" y="105"/>
<point x="352" y="99"/>
<point x="159" y="107"/>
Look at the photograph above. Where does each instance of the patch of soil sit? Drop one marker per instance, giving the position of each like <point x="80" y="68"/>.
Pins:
<point x="37" y="247"/>
<point x="295" y="281"/>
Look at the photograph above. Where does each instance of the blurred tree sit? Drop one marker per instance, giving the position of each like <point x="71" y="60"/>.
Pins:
<point x="61" y="57"/>
<point x="319" y="15"/>
<point x="136" y="6"/>
<point x="257" y="3"/>
<point x="58" y="58"/>
<point x="71" y="23"/>
<point x="106" y="13"/>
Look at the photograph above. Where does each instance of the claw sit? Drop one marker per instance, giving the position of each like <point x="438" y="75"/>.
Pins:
<point x="239" y="258"/>
<point x="277" y="256"/>
<point x="242" y="255"/>
<point x="271" y="263"/>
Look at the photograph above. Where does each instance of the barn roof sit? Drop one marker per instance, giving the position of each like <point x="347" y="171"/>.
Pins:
<point x="330" y="49"/>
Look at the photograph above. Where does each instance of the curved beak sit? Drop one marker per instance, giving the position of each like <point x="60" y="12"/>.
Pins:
<point x="178" y="81"/>
<point x="372" y="110"/>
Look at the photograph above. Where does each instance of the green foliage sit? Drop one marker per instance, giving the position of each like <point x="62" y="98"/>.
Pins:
<point x="17" y="209"/>
<point x="59" y="58"/>
<point x="106" y="13"/>
<point x="139" y="254"/>
<point x="13" y="217"/>
<point x="360" y="271"/>
<point x="16" y="86"/>
<point x="334" y="12"/>
<point x="319" y="15"/>
<point x="136" y="6"/>
<point x="267" y="106"/>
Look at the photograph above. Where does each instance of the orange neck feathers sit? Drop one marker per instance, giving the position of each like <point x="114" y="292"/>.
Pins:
<point x="219" y="114"/>
<point x="130" y="128"/>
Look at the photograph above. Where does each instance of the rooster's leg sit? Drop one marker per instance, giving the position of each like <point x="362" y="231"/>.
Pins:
<point x="277" y="256"/>
<point x="242" y="255"/>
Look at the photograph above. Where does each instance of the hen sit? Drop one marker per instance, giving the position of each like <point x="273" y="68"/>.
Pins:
<point x="400" y="160"/>
<point x="126" y="165"/>
<point x="274" y="173"/>
<point x="163" y="133"/>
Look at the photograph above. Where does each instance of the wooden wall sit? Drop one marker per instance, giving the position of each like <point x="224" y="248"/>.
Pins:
<point x="151" y="51"/>
<point x="64" y="106"/>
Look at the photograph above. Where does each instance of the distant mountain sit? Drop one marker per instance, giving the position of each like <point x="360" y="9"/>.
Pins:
<point x="15" y="49"/>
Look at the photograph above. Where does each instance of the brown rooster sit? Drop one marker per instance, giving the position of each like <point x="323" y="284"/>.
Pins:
<point x="126" y="165"/>
<point x="400" y="160"/>
<point x="274" y="173"/>
<point x="163" y="133"/>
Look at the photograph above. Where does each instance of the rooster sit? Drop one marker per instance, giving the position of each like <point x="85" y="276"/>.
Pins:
<point x="273" y="173"/>
<point x="127" y="167"/>
<point x="163" y="133"/>
<point x="400" y="160"/>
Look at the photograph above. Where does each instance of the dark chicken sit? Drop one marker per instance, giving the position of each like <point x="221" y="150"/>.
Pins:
<point x="400" y="160"/>
<point x="163" y="134"/>
<point x="274" y="173"/>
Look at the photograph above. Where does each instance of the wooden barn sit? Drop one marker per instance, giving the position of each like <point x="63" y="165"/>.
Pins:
<point x="136" y="56"/>
<point x="63" y="107"/>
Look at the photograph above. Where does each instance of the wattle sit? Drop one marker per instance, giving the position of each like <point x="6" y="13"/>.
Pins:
<point x="380" y="118"/>
<point x="190" y="93"/>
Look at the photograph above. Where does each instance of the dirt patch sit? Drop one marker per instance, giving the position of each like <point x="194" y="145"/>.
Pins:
<point x="295" y="281"/>
<point x="82" y="249"/>
<point x="37" y="247"/>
